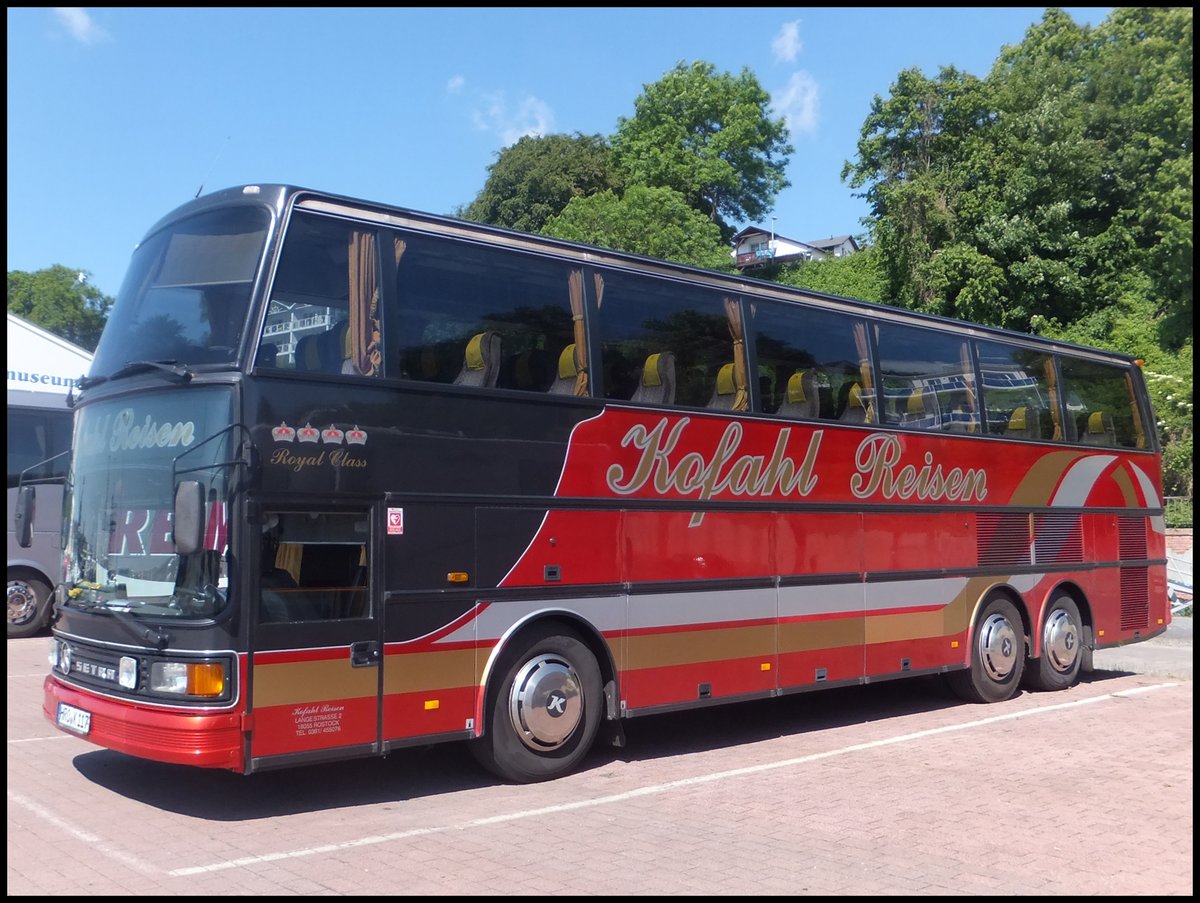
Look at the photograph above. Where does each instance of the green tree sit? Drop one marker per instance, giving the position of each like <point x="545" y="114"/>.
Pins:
<point x="711" y="138"/>
<point x="907" y="149"/>
<point x="1053" y="196"/>
<point x="534" y="180"/>
<point x="853" y="276"/>
<point x="61" y="301"/>
<point x="654" y="222"/>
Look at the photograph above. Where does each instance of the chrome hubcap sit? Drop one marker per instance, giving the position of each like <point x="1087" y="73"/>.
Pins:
<point x="546" y="702"/>
<point x="1060" y="641"/>
<point x="21" y="602"/>
<point x="998" y="647"/>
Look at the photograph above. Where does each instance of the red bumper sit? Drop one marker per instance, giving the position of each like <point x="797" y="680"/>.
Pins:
<point x="181" y="738"/>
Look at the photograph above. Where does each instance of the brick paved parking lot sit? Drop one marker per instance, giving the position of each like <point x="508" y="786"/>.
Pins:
<point x="889" y="789"/>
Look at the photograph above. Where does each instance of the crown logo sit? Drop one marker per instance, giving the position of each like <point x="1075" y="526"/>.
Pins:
<point x="356" y="436"/>
<point x="331" y="435"/>
<point x="308" y="433"/>
<point x="284" y="433"/>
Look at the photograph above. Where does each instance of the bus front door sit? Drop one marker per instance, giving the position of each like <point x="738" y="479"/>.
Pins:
<point x="314" y="674"/>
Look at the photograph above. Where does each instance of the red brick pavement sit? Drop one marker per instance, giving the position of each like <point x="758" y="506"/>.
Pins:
<point x="889" y="789"/>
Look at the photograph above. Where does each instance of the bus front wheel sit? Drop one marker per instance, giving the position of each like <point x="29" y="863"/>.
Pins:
<point x="543" y="713"/>
<point x="28" y="605"/>
<point x="1062" y="648"/>
<point x="997" y="655"/>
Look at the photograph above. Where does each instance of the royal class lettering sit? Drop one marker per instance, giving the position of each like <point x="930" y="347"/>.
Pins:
<point x="340" y="457"/>
<point x="722" y="470"/>
<point x="882" y="472"/>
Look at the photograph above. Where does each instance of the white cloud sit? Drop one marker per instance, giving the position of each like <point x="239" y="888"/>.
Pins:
<point x="80" y="25"/>
<point x="799" y="102"/>
<point x="529" y="116"/>
<point x="787" y="44"/>
<point x="455" y="84"/>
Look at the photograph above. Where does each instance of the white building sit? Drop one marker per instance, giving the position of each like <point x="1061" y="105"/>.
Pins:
<point x="41" y="364"/>
<point x="755" y="246"/>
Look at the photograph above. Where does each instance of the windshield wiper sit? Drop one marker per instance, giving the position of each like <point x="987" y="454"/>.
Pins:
<point x="172" y="367"/>
<point x="155" y="636"/>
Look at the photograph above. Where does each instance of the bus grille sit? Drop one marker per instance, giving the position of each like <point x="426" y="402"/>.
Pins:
<point x="1002" y="539"/>
<point x="1058" y="538"/>
<point x="1135" y="598"/>
<point x="1133" y="537"/>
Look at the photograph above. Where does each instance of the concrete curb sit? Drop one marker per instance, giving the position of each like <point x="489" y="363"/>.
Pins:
<point x="1169" y="655"/>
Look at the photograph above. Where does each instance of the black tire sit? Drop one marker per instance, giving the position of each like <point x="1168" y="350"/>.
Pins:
<point x="28" y="605"/>
<point x="542" y="710"/>
<point x="1062" y="648"/>
<point x="997" y="655"/>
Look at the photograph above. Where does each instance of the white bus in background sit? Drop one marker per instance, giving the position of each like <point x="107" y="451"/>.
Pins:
<point x="42" y="368"/>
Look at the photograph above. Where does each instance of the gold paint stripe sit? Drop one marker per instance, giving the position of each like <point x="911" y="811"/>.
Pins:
<point x="693" y="646"/>
<point x="1121" y="478"/>
<point x="809" y="636"/>
<point x="909" y="625"/>
<point x="418" y="671"/>
<point x="1039" y="483"/>
<point x="296" y="682"/>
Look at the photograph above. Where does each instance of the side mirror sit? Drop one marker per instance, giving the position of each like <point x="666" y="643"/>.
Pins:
<point x="189" y="517"/>
<point x="23" y="517"/>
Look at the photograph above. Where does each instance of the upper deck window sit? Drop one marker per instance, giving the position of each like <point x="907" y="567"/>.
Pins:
<point x="324" y="314"/>
<point x="928" y="380"/>
<point x="1101" y="407"/>
<point x="1019" y="396"/>
<point x="481" y="317"/>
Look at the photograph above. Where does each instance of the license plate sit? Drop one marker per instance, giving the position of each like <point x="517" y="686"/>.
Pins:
<point x="77" y="721"/>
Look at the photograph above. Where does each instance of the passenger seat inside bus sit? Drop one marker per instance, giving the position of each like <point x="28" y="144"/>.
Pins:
<point x="657" y="385"/>
<point x="1024" y="423"/>
<point x="308" y="353"/>
<point x="1098" y="430"/>
<point x="801" y="398"/>
<point x="853" y="409"/>
<point x="916" y="412"/>
<point x="725" y="391"/>
<point x="481" y="361"/>
<point x="568" y="373"/>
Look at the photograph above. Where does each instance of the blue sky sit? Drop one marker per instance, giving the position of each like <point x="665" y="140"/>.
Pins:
<point x="116" y="116"/>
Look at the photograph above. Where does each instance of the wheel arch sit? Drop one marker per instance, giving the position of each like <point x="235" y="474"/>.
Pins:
<point x="549" y="619"/>
<point x="21" y="569"/>
<point x="1005" y="591"/>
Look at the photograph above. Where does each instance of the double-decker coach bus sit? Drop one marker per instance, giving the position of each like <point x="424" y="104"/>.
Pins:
<point x="348" y="478"/>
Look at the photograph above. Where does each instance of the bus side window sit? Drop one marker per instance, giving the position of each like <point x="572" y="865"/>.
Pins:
<point x="314" y="567"/>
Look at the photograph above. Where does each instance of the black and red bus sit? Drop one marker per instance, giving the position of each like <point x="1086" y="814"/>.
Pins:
<point x="348" y="477"/>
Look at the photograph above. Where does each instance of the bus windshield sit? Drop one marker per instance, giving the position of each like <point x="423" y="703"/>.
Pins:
<point x="119" y="547"/>
<point x="186" y="295"/>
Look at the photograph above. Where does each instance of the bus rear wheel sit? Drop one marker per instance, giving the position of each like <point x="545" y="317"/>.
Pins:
<point x="28" y="605"/>
<point x="997" y="655"/>
<point x="542" y="715"/>
<point x="1062" y="648"/>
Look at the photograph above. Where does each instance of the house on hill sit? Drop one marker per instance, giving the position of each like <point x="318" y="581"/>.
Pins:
<point x="755" y="246"/>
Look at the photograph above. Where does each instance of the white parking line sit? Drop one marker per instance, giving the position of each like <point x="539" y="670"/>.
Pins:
<point x="79" y="834"/>
<point x="652" y="789"/>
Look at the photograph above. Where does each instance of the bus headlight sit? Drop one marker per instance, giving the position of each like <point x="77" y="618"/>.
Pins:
<point x="55" y="651"/>
<point x="188" y="678"/>
<point x="127" y="672"/>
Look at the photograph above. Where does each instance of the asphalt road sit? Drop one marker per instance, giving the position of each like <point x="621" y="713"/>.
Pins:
<point x="896" y="789"/>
